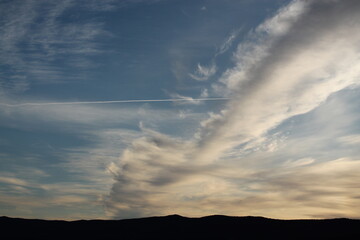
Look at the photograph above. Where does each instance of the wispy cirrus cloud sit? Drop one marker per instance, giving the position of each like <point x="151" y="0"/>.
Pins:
<point x="264" y="74"/>
<point x="176" y="98"/>
<point x="203" y="73"/>
<point x="288" y="67"/>
<point x="38" y="46"/>
<point x="228" y="42"/>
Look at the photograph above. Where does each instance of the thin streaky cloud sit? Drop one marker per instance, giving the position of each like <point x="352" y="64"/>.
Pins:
<point x="228" y="42"/>
<point x="115" y="101"/>
<point x="283" y="71"/>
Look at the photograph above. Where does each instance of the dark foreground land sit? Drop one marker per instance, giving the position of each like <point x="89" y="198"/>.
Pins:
<point x="178" y="227"/>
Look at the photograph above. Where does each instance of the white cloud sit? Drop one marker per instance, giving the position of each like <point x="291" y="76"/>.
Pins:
<point x="12" y="180"/>
<point x="204" y="93"/>
<point x="26" y="190"/>
<point x="289" y="66"/>
<point x="228" y="42"/>
<point x="299" y="162"/>
<point x="350" y="139"/>
<point x="188" y="100"/>
<point x="80" y="115"/>
<point x="203" y="73"/>
<point x="34" y="42"/>
<point x="291" y="78"/>
<point x="255" y="47"/>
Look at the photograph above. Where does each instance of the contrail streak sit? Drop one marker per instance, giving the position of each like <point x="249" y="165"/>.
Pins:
<point x="115" y="101"/>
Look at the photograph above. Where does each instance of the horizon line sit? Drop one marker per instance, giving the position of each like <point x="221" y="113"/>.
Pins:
<point x="181" y="216"/>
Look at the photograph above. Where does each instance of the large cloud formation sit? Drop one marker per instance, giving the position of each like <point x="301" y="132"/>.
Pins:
<point x="287" y="66"/>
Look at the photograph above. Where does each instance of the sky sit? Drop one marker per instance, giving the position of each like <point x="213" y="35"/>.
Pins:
<point x="115" y="109"/>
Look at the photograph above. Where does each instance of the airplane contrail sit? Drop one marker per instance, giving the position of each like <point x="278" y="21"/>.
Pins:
<point x="114" y="101"/>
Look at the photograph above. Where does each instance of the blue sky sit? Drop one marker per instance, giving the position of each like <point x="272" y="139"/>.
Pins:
<point x="264" y="118"/>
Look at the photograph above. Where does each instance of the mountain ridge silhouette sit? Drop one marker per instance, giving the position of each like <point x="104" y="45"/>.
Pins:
<point x="180" y="227"/>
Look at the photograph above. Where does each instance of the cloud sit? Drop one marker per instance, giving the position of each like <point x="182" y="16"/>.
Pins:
<point x="292" y="75"/>
<point x="28" y="190"/>
<point x="181" y="100"/>
<point x="12" y="180"/>
<point x="81" y="115"/>
<point x="203" y="73"/>
<point x="103" y="131"/>
<point x="176" y="98"/>
<point x="35" y="41"/>
<point x="225" y="46"/>
<point x="327" y="188"/>
<point x="287" y="67"/>
<point x="52" y="202"/>
<point x="204" y="93"/>
<point x="299" y="162"/>
<point x="138" y="192"/>
<point x="350" y="139"/>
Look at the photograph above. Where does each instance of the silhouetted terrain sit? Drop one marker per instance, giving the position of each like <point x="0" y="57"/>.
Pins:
<point x="178" y="227"/>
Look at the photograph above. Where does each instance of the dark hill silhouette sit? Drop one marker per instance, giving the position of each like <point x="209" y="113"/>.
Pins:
<point x="178" y="227"/>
